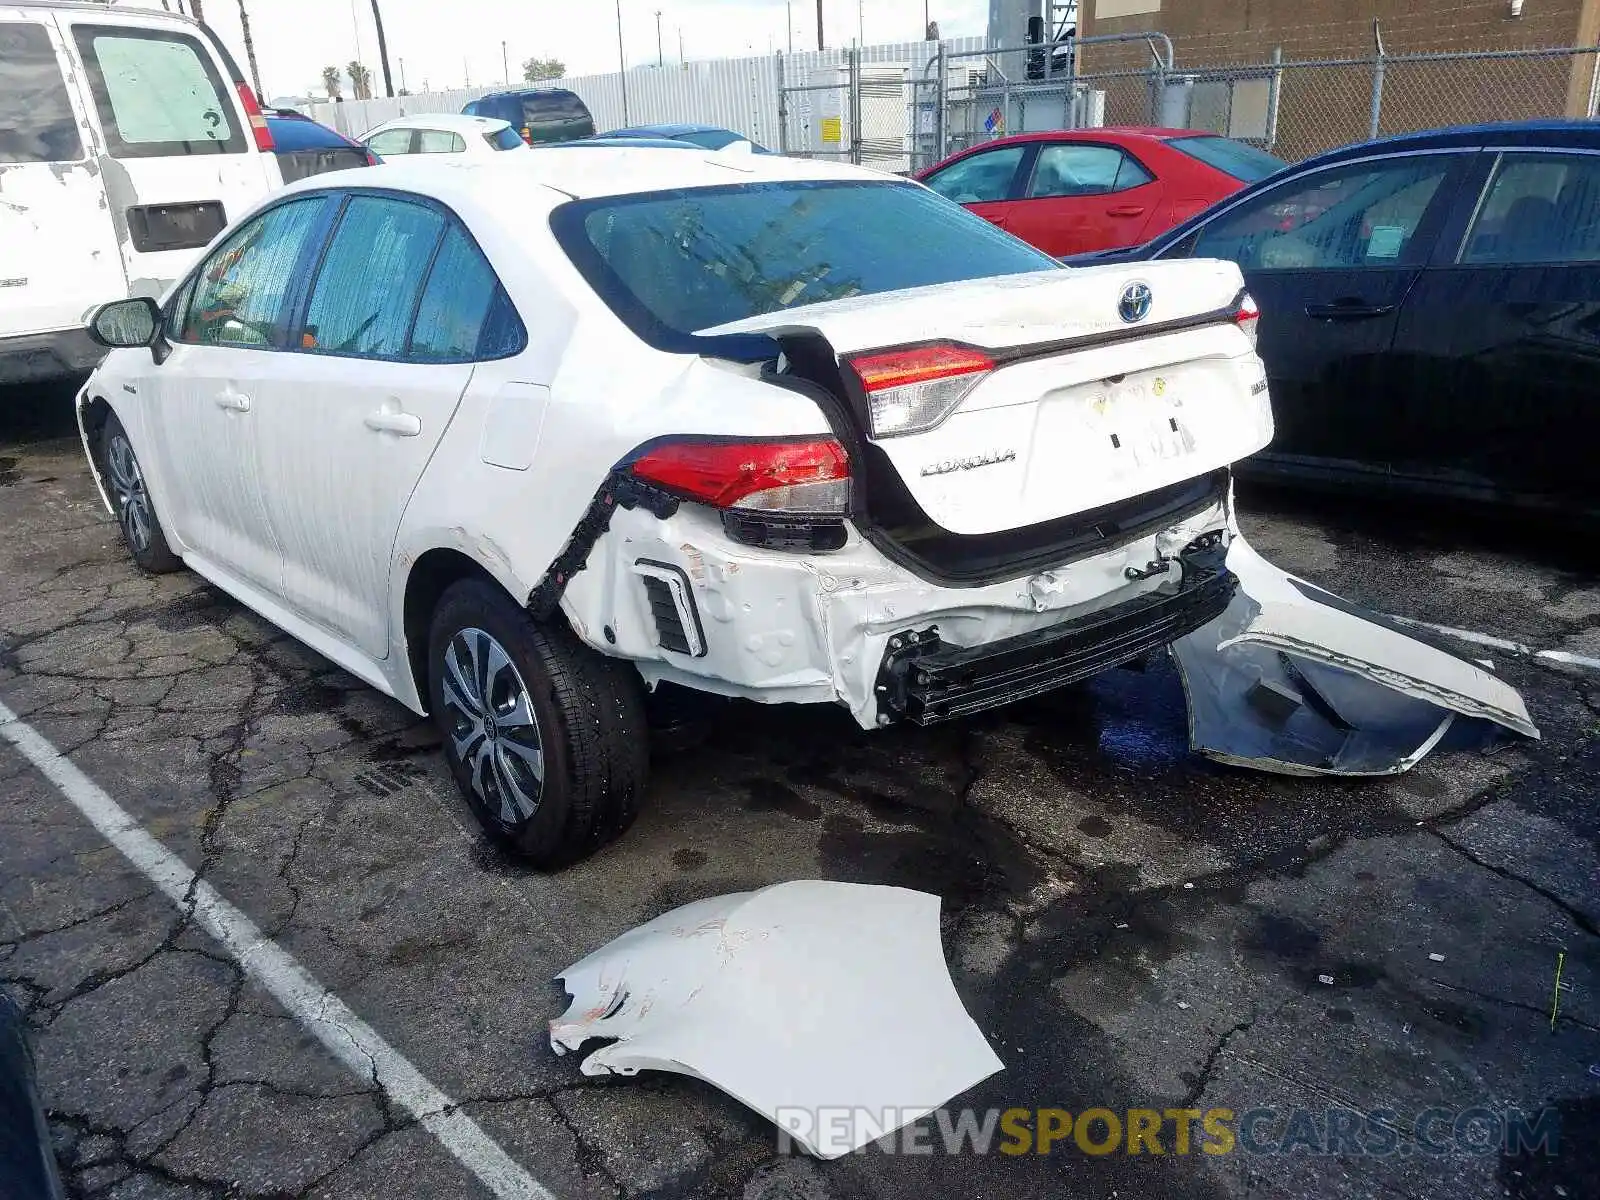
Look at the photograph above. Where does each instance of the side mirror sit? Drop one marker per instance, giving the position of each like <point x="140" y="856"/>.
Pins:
<point x="125" y="323"/>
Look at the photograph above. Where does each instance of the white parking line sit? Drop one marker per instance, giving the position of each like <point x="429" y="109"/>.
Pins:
<point x="1505" y="644"/>
<point x="350" y="1039"/>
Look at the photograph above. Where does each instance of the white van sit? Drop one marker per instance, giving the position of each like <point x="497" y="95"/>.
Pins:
<point x="128" y="139"/>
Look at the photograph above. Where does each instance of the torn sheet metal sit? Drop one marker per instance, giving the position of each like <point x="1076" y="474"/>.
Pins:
<point x="1293" y="679"/>
<point x="826" y="1007"/>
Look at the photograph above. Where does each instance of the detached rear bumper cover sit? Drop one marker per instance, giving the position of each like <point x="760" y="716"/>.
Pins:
<point x="1293" y="680"/>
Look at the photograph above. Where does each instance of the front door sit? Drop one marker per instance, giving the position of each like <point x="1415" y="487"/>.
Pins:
<point x="1084" y="196"/>
<point x="386" y="348"/>
<point x="1330" y="258"/>
<point x="1501" y="335"/>
<point x="178" y="156"/>
<point x="227" y="330"/>
<point x="986" y="181"/>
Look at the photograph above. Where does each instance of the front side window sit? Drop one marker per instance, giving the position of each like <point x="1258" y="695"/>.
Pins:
<point x="36" y="121"/>
<point x="1361" y="215"/>
<point x="239" y="292"/>
<point x="158" y="93"/>
<point x="391" y="142"/>
<point x="465" y="313"/>
<point x="504" y="138"/>
<point x="1080" y="170"/>
<point x="1540" y="208"/>
<point x="673" y="264"/>
<point x="367" y="287"/>
<point x="980" y="177"/>
<point x="439" y="141"/>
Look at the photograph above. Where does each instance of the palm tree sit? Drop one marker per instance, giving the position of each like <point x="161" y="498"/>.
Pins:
<point x="250" y="51"/>
<point x="383" y="49"/>
<point x="360" y="80"/>
<point x="330" y="81"/>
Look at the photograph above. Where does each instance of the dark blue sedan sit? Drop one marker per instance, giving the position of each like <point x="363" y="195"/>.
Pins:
<point x="1430" y="311"/>
<point x="707" y="137"/>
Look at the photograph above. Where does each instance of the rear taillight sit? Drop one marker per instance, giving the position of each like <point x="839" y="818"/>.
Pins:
<point x="810" y="476"/>
<point x="258" y="123"/>
<point x="372" y="159"/>
<point x="1248" y="317"/>
<point x="914" y="389"/>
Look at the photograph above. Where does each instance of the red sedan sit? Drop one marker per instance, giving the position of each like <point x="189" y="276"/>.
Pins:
<point x="1071" y="191"/>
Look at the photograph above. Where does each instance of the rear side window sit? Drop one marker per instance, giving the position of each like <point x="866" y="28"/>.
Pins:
<point x="1540" y="208"/>
<point x="36" y="121"/>
<point x="505" y="138"/>
<point x="367" y="289"/>
<point x="158" y="93"/>
<point x="391" y="142"/>
<point x="465" y="313"/>
<point x="672" y="264"/>
<point x="439" y="141"/>
<point x="1068" y="169"/>
<point x="1242" y="161"/>
<point x="239" y="292"/>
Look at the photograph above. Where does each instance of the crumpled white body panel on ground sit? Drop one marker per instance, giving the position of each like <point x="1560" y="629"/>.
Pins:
<point x="802" y="1000"/>
<point x="1294" y="680"/>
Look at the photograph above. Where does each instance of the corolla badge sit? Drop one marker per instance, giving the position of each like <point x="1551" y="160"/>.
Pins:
<point x="1135" y="303"/>
<point x="987" y="459"/>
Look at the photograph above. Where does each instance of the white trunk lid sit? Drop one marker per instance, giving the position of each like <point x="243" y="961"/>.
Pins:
<point x="1091" y="412"/>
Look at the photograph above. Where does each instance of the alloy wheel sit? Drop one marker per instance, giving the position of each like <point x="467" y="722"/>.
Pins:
<point x="133" y="498"/>
<point x="492" y="726"/>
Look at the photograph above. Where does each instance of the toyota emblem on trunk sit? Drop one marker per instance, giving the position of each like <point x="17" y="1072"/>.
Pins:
<point x="1135" y="303"/>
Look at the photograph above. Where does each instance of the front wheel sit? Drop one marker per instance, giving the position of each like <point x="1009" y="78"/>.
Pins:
<point x="545" y="737"/>
<point x="135" y="510"/>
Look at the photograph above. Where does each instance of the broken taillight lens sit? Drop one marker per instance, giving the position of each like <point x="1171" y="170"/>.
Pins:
<point x="810" y="476"/>
<point x="258" y="123"/>
<point x="1248" y="317"/>
<point x="914" y="389"/>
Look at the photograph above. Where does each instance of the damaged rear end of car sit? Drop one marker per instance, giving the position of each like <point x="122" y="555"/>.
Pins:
<point x="1018" y="474"/>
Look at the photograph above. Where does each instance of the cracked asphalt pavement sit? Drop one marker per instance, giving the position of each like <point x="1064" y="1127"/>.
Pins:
<point x="1131" y="926"/>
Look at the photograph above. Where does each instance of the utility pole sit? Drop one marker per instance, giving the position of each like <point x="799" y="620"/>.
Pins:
<point x="622" y="64"/>
<point x="788" y="14"/>
<point x="658" y="39"/>
<point x="820" y="45"/>
<point x="505" y="63"/>
<point x="680" y="46"/>
<point x="402" y="74"/>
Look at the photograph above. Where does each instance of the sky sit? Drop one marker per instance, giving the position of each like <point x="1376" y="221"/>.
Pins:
<point x="443" y="45"/>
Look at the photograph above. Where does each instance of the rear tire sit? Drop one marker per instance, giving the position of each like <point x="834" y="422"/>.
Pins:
<point x="546" y="738"/>
<point x="130" y="497"/>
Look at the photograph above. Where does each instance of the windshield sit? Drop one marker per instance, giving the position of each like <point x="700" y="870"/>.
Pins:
<point x="504" y="138"/>
<point x="710" y="139"/>
<point x="1242" y="161"/>
<point x="673" y="263"/>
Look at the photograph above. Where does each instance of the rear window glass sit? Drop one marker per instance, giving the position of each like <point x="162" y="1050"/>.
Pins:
<point x="505" y="138"/>
<point x="1242" y="161"/>
<point x="674" y="263"/>
<point x="158" y="93"/>
<point x="439" y="141"/>
<point x="36" y="122"/>
<point x="558" y="116"/>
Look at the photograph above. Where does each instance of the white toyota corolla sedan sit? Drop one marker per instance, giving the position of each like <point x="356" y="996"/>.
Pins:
<point x="517" y="441"/>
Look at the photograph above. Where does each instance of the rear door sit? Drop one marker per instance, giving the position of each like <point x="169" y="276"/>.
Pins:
<point x="385" y="350"/>
<point x="1083" y="196"/>
<point x="1330" y="257"/>
<point x="986" y="181"/>
<point x="177" y="150"/>
<point x="1500" y="337"/>
<point x="58" y="250"/>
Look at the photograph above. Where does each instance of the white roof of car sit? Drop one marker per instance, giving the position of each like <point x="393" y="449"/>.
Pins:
<point x="598" y="171"/>
<point x="450" y="122"/>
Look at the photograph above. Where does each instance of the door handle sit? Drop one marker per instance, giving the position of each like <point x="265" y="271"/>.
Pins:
<point x="233" y="401"/>
<point x="1125" y="210"/>
<point x="402" y="424"/>
<point x="1348" y="310"/>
